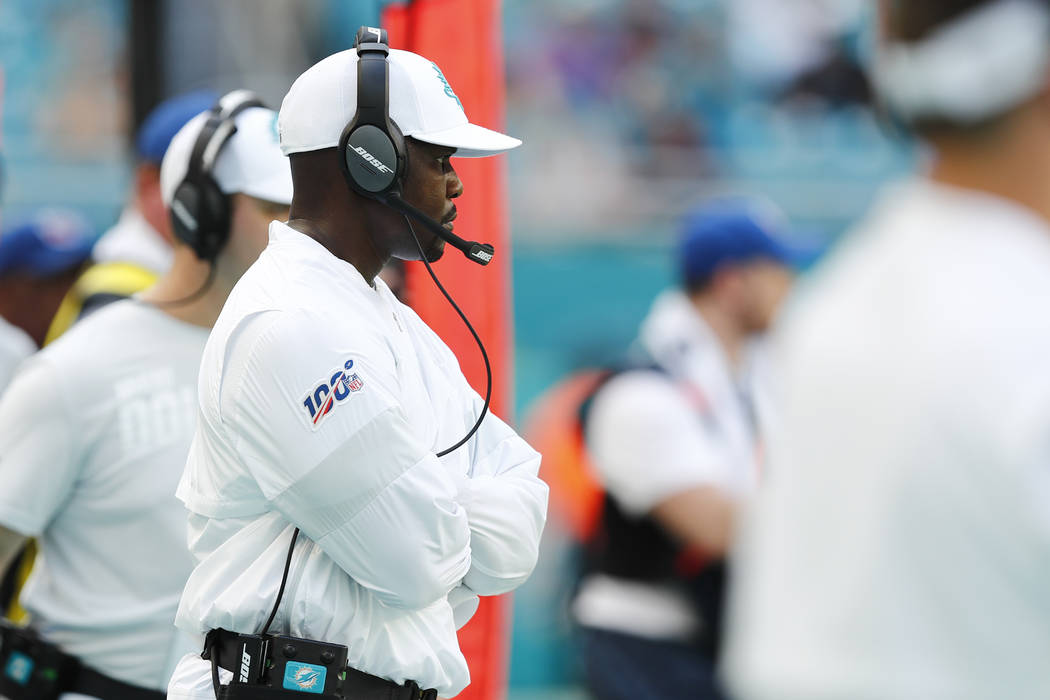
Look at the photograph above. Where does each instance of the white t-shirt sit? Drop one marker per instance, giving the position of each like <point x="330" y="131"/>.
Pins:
<point x="653" y="434"/>
<point x="900" y="547"/>
<point x="94" y="432"/>
<point x="15" y="346"/>
<point x="322" y="403"/>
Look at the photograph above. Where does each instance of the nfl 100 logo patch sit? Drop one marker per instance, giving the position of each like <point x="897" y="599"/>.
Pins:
<point x="330" y="392"/>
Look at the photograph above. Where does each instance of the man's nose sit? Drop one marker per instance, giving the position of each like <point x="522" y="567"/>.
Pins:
<point x="454" y="186"/>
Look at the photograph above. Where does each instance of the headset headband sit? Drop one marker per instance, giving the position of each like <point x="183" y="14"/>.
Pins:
<point x="373" y="81"/>
<point x="217" y="130"/>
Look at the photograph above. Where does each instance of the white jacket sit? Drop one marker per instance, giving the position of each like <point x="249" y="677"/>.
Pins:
<point x="322" y="404"/>
<point x="900" y="546"/>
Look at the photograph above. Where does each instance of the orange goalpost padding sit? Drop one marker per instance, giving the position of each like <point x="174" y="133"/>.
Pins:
<point x="464" y="37"/>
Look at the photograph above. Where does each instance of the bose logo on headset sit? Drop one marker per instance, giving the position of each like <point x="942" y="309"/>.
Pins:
<point x="246" y="662"/>
<point x="372" y="159"/>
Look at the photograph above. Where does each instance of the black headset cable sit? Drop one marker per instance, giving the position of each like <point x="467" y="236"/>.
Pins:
<point x="192" y="296"/>
<point x="477" y="339"/>
<point x="284" y="581"/>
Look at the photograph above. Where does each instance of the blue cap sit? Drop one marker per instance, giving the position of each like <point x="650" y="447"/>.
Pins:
<point x="166" y="119"/>
<point x="732" y="232"/>
<point x="49" y="243"/>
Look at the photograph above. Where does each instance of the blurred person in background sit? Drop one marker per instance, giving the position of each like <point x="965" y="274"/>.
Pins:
<point x="95" y="429"/>
<point x="126" y="259"/>
<point x="673" y="441"/>
<point x="138" y="248"/>
<point x="900" y="547"/>
<point x="40" y="258"/>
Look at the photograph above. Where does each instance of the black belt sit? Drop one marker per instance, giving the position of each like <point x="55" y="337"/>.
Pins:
<point x="254" y="656"/>
<point x="91" y="682"/>
<point x="35" y="669"/>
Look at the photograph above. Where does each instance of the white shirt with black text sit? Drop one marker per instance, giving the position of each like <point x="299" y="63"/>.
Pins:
<point x="94" y="432"/>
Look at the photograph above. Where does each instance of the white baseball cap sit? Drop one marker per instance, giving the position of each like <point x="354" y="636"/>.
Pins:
<point x="323" y="100"/>
<point x="251" y="162"/>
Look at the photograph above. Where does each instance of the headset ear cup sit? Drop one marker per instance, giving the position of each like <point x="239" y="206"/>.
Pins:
<point x="200" y="217"/>
<point x="215" y="224"/>
<point x="200" y="211"/>
<point x="371" y="147"/>
<point x="371" y="159"/>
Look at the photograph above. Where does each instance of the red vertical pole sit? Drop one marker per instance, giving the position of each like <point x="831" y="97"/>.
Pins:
<point x="464" y="38"/>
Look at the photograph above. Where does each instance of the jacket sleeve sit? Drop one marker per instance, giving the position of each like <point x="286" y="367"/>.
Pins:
<point x="506" y="505"/>
<point x="323" y="433"/>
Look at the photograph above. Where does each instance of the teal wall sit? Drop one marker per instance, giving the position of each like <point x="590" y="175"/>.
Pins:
<point x="578" y="304"/>
<point x="574" y="305"/>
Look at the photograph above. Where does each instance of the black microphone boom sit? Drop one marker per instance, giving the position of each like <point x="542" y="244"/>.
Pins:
<point x="481" y="253"/>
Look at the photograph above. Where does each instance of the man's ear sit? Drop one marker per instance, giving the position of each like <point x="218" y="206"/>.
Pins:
<point x="148" y="199"/>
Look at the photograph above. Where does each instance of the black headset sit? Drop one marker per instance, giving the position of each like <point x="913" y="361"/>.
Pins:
<point x="200" y="210"/>
<point x="372" y="149"/>
<point x="374" y="156"/>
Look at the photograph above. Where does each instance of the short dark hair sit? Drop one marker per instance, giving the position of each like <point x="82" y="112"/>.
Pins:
<point x="700" y="285"/>
<point x="909" y="21"/>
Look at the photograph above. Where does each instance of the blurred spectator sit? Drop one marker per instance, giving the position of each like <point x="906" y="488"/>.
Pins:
<point x="837" y="82"/>
<point x="634" y="87"/>
<point x="673" y="441"/>
<point x="91" y="464"/>
<point x="657" y="100"/>
<point x="39" y="260"/>
<point x="129" y="256"/>
<point x="900" y="547"/>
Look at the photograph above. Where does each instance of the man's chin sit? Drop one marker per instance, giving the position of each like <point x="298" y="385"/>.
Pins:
<point x="435" y="250"/>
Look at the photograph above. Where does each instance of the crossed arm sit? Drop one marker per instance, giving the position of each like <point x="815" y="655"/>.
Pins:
<point x="404" y="524"/>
